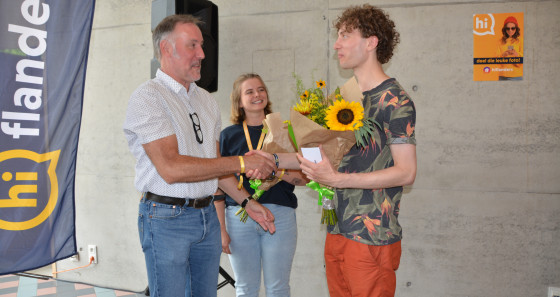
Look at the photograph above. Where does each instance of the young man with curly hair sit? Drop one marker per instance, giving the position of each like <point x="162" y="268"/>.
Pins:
<point x="363" y="249"/>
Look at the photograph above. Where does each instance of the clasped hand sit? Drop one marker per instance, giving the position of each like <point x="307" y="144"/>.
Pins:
<point x="259" y="165"/>
<point x="322" y="172"/>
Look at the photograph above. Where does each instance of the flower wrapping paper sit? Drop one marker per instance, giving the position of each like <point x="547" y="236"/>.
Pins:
<point x="277" y="140"/>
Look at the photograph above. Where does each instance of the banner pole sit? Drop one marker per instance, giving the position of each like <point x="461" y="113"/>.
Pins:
<point x="53" y="267"/>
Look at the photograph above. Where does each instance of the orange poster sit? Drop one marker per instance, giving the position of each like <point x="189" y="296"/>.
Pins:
<point x="498" y="46"/>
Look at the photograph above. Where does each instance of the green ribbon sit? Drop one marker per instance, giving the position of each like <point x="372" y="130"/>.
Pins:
<point x="324" y="192"/>
<point x="255" y="184"/>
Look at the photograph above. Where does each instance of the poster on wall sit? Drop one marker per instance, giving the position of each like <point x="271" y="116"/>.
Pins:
<point x="43" y="56"/>
<point x="498" y="46"/>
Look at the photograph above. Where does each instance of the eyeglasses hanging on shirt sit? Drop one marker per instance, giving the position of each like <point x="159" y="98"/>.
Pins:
<point x="195" y="122"/>
<point x="196" y="127"/>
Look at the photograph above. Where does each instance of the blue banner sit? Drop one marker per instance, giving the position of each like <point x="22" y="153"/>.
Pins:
<point x="43" y="56"/>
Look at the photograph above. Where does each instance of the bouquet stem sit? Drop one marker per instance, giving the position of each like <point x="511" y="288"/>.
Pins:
<point x="242" y="213"/>
<point x="326" y="200"/>
<point x="329" y="217"/>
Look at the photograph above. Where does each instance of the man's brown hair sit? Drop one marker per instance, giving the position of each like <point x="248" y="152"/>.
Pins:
<point x="166" y="26"/>
<point x="371" y="21"/>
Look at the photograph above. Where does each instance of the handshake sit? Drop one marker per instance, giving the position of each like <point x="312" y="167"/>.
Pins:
<point x="257" y="164"/>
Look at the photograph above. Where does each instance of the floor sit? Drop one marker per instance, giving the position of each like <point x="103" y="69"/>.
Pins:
<point x="22" y="286"/>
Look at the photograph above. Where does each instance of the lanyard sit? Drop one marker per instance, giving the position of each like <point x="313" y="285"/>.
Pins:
<point x="248" y="138"/>
<point x="250" y="145"/>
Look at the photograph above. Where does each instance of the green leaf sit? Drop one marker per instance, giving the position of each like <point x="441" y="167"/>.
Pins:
<point x="365" y="132"/>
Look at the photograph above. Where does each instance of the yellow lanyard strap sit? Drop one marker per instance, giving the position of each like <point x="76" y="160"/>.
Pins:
<point x="248" y="138"/>
<point x="250" y="146"/>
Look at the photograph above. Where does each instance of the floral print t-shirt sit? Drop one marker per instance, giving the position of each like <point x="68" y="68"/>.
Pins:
<point x="370" y="216"/>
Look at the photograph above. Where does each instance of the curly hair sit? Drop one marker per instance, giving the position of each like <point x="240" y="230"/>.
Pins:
<point x="371" y="21"/>
<point x="237" y="112"/>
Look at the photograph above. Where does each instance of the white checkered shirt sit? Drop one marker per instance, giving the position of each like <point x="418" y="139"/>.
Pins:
<point x="159" y="108"/>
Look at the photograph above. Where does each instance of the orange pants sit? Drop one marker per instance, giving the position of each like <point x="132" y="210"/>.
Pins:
<point x="360" y="270"/>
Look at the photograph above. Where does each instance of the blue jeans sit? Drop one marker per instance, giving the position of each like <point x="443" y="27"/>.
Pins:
<point x="252" y="248"/>
<point x="182" y="247"/>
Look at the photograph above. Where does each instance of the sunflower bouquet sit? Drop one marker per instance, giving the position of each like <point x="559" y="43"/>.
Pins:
<point x="333" y="122"/>
<point x="333" y="112"/>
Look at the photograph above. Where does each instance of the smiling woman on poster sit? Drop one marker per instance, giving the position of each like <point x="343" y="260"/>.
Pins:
<point x="511" y="46"/>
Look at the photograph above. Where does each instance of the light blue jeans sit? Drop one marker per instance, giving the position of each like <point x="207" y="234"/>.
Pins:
<point x="253" y="250"/>
<point x="182" y="247"/>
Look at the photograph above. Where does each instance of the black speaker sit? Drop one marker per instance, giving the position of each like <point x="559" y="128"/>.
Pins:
<point x="208" y="13"/>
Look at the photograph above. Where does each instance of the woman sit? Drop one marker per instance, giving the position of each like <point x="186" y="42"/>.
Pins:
<point x="246" y="243"/>
<point x="511" y="46"/>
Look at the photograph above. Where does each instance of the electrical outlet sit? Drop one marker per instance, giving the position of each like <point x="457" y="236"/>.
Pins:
<point x="553" y="292"/>
<point x="92" y="252"/>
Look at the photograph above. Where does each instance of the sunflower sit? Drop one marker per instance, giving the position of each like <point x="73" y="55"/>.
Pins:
<point x="304" y="107"/>
<point x="320" y="84"/>
<point x="344" y="115"/>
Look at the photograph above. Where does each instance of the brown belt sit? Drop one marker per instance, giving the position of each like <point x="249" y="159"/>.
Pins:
<point x="194" y="203"/>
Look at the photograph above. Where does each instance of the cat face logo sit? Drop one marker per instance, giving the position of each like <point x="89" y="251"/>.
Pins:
<point x="22" y="188"/>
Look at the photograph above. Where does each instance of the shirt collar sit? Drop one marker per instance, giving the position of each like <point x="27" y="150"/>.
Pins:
<point x="174" y="85"/>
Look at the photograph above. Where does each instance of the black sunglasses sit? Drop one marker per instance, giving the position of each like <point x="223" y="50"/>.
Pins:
<point x="196" y="127"/>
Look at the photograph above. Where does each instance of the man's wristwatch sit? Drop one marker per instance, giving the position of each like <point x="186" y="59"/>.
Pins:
<point x="244" y="203"/>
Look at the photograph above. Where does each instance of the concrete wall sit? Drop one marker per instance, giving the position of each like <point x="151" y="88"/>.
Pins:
<point x="482" y="218"/>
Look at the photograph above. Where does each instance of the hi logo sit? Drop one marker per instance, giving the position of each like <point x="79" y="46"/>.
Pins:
<point x="483" y="24"/>
<point x="28" y="188"/>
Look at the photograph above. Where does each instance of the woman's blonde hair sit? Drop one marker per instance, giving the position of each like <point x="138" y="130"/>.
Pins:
<point x="237" y="112"/>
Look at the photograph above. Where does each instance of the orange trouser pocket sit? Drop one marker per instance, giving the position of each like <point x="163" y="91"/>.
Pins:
<point x="359" y="270"/>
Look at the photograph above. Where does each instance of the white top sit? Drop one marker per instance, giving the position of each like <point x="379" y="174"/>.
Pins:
<point x="162" y="107"/>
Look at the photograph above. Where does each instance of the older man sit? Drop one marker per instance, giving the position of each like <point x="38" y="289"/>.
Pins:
<point x="173" y="128"/>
